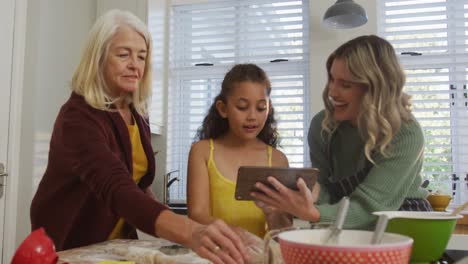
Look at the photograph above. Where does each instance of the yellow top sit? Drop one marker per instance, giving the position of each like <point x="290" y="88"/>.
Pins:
<point x="224" y="206"/>
<point x="140" y="167"/>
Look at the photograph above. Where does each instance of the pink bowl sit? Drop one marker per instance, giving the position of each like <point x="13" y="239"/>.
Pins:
<point x="305" y="246"/>
<point x="37" y="248"/>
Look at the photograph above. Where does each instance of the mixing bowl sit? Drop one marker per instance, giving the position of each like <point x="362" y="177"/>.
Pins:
<point x="353" y="246"/>
<point x="439" y="201"/>
<point x="430" y="231"/>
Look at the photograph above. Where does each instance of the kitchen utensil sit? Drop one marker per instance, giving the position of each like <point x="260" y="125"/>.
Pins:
<point x="425" y="184"/>
<point x="335" y="230"/>
<point x="379" y="229"/>
<point x="354" y="246"/>
<point x="459" y="209"/>
<point x="439" y="202"/>
<point x="36" y="248"/>
<point x="430" y="231"/>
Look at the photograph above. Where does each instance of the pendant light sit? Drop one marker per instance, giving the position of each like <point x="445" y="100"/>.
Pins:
<point x="345" y="14"/>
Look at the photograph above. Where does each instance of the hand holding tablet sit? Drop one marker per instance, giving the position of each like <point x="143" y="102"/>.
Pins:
<point x="249" y="175"/>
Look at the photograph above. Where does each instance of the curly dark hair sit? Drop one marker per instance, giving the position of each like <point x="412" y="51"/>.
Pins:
<point x="215" y="126"/>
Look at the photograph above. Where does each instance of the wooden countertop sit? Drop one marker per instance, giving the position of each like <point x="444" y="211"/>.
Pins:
<point x="462" y="225"/>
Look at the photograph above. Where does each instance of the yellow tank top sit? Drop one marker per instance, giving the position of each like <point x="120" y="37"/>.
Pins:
<point x="223" y="205"/>
<point x="140" y="167"/>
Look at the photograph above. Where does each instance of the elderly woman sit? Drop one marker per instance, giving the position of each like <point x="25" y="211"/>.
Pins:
<point x="366" y="142"/>
<point x="101" y="165"/>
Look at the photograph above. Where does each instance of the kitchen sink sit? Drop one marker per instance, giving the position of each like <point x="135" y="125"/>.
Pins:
<point x="178" y="208"/>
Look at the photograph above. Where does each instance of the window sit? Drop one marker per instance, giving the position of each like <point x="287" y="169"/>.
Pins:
<point x="156" y="25"/>
<point x="431" y="38"/>
<point x="207" y="39"/>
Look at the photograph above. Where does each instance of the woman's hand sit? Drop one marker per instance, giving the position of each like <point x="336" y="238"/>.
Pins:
<point x="218" y="243"/>
<point x="299" y="203"/>
<point x="215" y="242"/>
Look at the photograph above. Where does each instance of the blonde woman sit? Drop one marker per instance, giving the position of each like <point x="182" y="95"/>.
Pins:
<point x="97" y="185"/>
<point x="366" y="142"/>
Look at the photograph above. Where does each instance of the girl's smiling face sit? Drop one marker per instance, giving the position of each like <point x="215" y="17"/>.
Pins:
<point x="344" y="94"/>
<point x="246" y="109"/>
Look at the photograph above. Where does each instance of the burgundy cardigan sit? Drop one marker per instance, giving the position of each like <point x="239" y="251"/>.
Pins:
<point x="88" y="182"/>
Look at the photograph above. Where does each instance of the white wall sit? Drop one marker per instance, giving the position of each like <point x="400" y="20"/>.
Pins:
<point x="138" y="7"/>
<point x="324" y="41"/>
<point x="9" y="22"/>
<point x="55" y="32"/>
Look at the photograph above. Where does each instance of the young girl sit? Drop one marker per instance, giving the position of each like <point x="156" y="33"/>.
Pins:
<point x="239" y="130"/>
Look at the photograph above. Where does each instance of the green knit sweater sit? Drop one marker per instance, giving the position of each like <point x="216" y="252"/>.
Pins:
<point x="387" y="184"/>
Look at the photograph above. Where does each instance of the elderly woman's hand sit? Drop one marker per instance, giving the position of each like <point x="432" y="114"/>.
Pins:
<point x="218" y="243"/>
<point x="299" y="203"/>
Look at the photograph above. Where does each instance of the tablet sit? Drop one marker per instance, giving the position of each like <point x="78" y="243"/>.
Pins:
<point x="247" y="176"/>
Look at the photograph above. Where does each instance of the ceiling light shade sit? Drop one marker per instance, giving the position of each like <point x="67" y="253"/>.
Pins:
<point x="345" y="14"/>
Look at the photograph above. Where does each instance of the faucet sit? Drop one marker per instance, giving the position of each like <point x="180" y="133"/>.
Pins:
<point x="167" y="184"/>
<point x="171" y="182"/>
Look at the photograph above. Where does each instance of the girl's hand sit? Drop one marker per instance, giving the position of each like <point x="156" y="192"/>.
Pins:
<point x="267" y="209"/>
<point x="299" y="203"/>
<point x="276" y="218"/>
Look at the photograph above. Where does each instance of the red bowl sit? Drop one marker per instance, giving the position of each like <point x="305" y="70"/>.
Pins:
<point x="353" y="246"/>
<point x="37" y="248"/>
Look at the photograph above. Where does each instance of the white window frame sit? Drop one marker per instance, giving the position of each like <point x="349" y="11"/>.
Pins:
<point x="434" y="34"/>
<point x="181" y="70"/>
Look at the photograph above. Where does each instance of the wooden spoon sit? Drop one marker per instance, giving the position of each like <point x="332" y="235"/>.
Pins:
<point x="459" y="209"/>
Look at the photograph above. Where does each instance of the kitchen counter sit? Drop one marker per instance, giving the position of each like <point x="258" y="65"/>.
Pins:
<point x="459" y="239"/>
<point x="150" y="250"/>
<point x="140" y="251"/>
<point x="161" y="251"/>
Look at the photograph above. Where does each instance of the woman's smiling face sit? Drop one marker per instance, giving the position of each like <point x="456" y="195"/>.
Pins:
<point x="344" y="94"/>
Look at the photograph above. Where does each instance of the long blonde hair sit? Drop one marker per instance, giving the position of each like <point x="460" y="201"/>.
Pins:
<point x="372" y="61"/>
<point x="88" y="79"/>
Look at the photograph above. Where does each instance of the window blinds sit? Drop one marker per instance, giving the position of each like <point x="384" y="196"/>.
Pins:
<point x="430" y="37"/>
<point x="207" y="39"/>
<point x="156" y="26"/>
